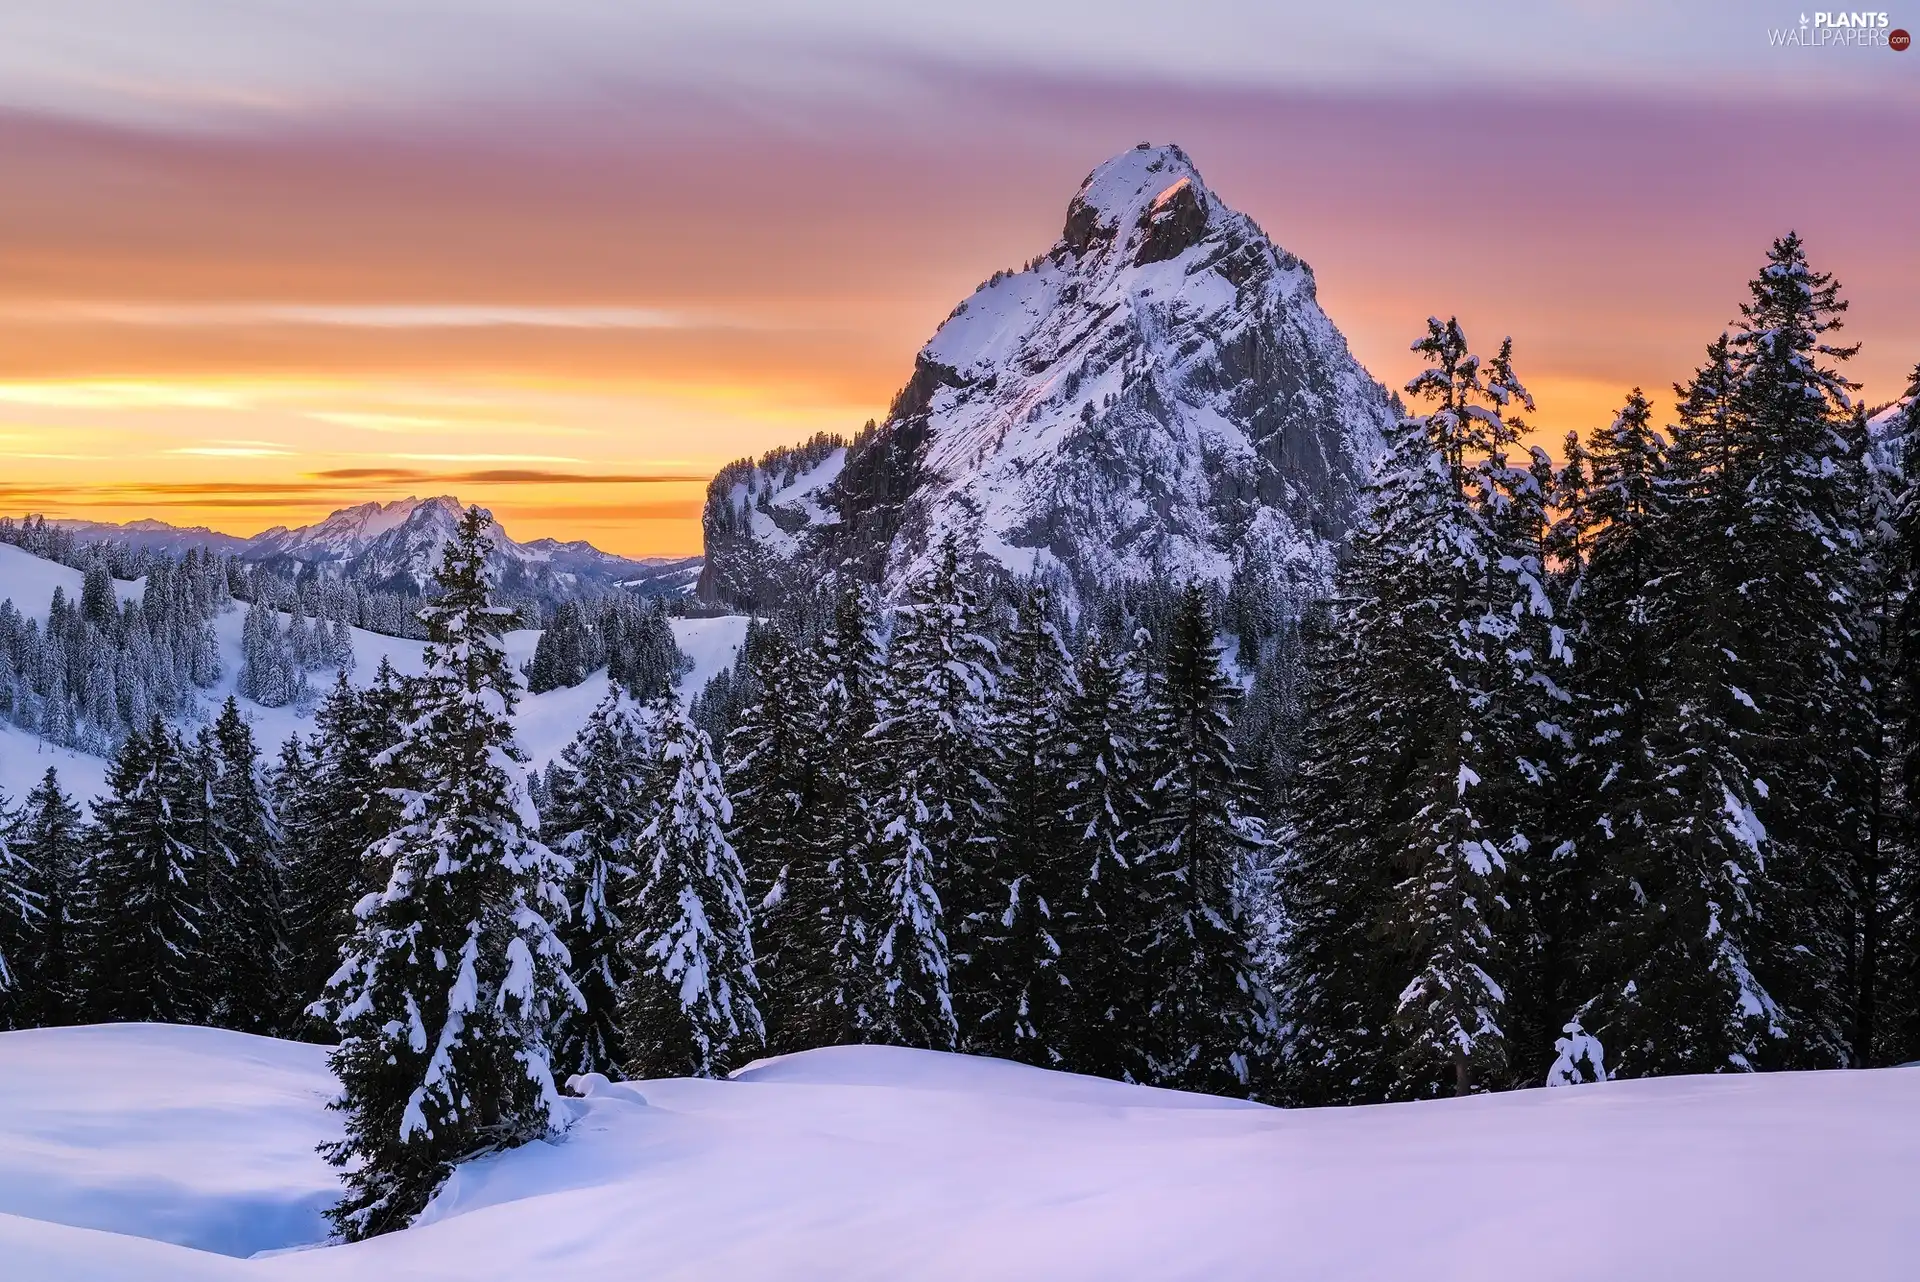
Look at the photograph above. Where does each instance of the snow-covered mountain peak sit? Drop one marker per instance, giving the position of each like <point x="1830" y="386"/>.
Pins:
<point x="355" y="527"/>
<point x="1141" y="205"/>
<point x="1158" y="395"/>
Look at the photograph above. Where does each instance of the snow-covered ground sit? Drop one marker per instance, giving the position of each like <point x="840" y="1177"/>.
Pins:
<point x="24" y="758"/>
<point x="543" y="723"/>
<point x="195" y="1136"/>
<point x="868" y="1163"/>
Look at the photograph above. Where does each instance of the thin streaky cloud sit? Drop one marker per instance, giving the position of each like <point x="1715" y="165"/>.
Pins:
<point x="366" y="315"/>
<point x="488" y="458"/>
<point x="375" y="422"/>
<point x="109" y="394"/>
<point x="234" y="449"/>
<point x="504" y="476"/>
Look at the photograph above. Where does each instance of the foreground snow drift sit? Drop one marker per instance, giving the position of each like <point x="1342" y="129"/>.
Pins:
<point x="189" y="1135"/>
<point x="873" y="1163"/>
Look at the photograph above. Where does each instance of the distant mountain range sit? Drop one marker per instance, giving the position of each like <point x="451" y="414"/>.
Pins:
<point x="395" y="546"/>
<point x="1159" y="395"/>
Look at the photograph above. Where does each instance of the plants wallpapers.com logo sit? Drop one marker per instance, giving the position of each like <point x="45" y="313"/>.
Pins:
<point x="1848" y="30"/>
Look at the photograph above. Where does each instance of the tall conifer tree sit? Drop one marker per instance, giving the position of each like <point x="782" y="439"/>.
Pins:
<point x="1024" y="1000"/>
<point x="1209" y="1014"/>
<point x="50" y="968"/>
<point x="847" y="849"/>
<point x="450" y="983"/>
<point x="20" y="913"/>
<point x="929" y="817"/>
<point x="1897" y="1038"/>
<point x="773" y="780"/>
<point x="145" y="932"/>
<point x="245" y="936"/>
<point x="1105" y="916"/>
<point x="690" y="1007"/>
<point x="601" y="806"/>
<point x="1420" y="781"/>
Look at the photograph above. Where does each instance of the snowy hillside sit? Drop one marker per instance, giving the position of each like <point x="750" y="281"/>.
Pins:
<point x="543" y="722"/>
<point x="1159" y="394"/>
<point x="30" y="580"/>
<point x="869" y="1163"/>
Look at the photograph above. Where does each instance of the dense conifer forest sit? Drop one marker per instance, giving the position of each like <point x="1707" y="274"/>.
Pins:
<point x="1595" y="764"/>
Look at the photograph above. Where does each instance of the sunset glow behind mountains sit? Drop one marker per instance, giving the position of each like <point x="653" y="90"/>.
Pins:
<point x="572" y="300"/>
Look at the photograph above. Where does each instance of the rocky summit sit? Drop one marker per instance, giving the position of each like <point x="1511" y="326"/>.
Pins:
<point x="1157" y="395"/>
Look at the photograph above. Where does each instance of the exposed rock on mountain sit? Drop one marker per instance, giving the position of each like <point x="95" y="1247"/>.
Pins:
<point x="1157" y="395"/>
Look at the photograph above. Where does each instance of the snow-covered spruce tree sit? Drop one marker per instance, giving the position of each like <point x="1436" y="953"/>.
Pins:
<point x="1027" y="859"/>
<point x="1458" y="835"/>
<point x="1798" y="547"/>
<point x="1881" y="588"/>
<point x="20" y="915"/>
<point x="1209" y="1014"/>
<point x="1671" y="932"/>
<point x="1103" y="921"/>
<point x="1529" y="714"/>
<point x="245" y="928"/>
<point x="1896" y="1024"/>
<point x="933" y="744"/>
<point x="599" y="808"/>
<point x="454" y="973"/>
<point x="311" y="929"/>
<point x="772" y="778"/>
<point x="48" y="968"/>
<point x="852" y="677"/>
<point x="563" y="655"/>
<point x="690" y="1005"/>
<point x="147" y="917"/>
<point x="1419" y="776"/>
<point x="1339" y="972"/>
<point x="1611" y="788"/>
<point x="344" y="807"/>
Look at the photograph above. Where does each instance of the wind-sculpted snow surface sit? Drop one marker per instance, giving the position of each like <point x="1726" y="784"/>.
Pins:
<point x="875" y="1164"/>
<point x="1158" y="395"/>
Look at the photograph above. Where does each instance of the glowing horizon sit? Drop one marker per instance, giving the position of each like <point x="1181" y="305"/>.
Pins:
<point x="243" y="285"/>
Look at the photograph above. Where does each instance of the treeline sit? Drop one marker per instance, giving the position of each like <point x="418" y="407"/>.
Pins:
<point x="962" y="827"/>
<point x="166" y="906"/>
<point x="288" y="587"/>
<point x="1611" y="764"/>
<point x="98" y="669"/>
<point x="971" y="823"/>
<point x="629" y="638"/>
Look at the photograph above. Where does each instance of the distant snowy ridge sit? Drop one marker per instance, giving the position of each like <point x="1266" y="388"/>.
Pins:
<point x="397" y="545"/>
<point x="1158" y="395"/>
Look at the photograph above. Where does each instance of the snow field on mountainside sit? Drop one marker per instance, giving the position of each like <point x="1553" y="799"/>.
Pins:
<point x="873" y="1163"/>
<point x="543" y="723"/>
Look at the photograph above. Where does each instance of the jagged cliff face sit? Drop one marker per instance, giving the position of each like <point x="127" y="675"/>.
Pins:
<point x="1159" y="395"/>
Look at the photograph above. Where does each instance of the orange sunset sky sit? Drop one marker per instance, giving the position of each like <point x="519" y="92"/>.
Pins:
<point x="566" y="259"/>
